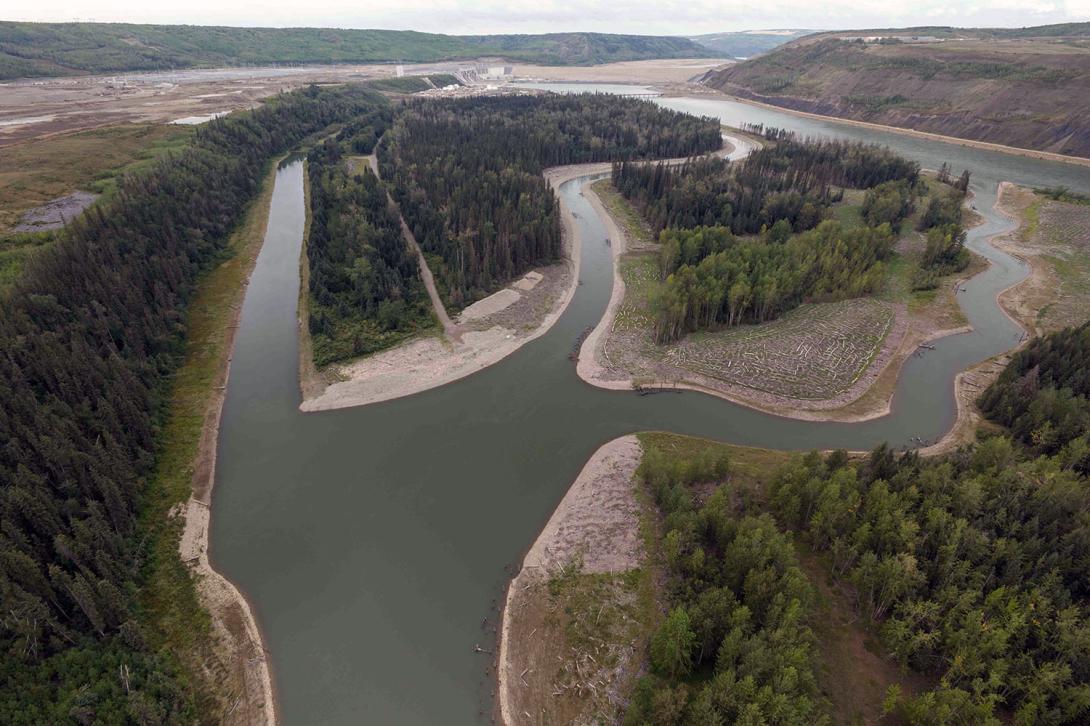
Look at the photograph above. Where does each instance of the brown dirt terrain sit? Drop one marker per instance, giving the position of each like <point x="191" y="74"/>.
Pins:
<point x="667" y="71"/>
<point x="1025" y="93"/>
<point x="35" y="173"/>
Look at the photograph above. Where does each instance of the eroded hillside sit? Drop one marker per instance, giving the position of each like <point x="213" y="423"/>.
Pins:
<point x="1028" y="88"/>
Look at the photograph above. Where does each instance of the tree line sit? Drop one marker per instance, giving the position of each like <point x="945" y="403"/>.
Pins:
<point x="736" y="646"/>
<point x="973" y="566"/>
<point x="365" y="288"/>
<point x="742" y="280"/>
<point x="790" y="178"/>
<point x="467" y="174"/>
<point x="1043" y="396"/>
<point x="91" y="334"/>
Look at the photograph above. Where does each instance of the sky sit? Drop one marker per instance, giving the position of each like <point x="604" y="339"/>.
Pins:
<point x="646" y="17"/>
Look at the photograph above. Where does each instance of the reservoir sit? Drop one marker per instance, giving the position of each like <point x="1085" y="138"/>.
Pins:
<point x="373" y="542"/>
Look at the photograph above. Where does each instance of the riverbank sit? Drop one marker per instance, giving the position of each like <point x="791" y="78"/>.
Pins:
<point x="484" y="334"/>
<point x="543" y="612"/>
<point x="985" y="145"/>
<point x="579" y="580"/>
<point x="1055" y="293"/>
<point x="185" y="594"/>
<point x="615" y="356"/>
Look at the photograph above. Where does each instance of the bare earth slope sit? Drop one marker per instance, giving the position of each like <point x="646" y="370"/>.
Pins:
<point x="1029" y="90"/>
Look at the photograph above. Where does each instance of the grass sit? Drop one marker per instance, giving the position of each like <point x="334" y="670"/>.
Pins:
<point x="39" y="171"/>
<point x="413" y="84"/>
<point x="169" y="606"/>
<point x="631" y="221"/>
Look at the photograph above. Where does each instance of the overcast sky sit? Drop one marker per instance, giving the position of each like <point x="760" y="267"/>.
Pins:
<point x="648" y="17"/>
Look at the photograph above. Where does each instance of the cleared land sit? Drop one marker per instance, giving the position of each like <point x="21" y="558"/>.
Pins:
<point x="669" y="71"/>
<point x="1054" y="238"/>
<point x="46" y="181"/>
<point x="836" y="361"/>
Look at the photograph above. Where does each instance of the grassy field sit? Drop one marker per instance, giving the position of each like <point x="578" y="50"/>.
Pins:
<point x="174" y="618"/>
<point x="34" y="173"/>
<point x="37" y="172"/>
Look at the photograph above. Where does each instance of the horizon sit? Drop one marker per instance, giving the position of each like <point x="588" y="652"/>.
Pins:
<point x="642" y="17"/>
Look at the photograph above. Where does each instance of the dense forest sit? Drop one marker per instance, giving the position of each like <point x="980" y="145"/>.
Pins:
<point x="91" y="335"/>
<point x="365" y="288"/>
<point x="741" y="280"/>
<point x="779" y="197"/>
<point x="974" y="566"/>
<point x="1043" y="396"/>
<point x="467" y="174"/>
<point x="746" y="242"/>
<point x="790" y="178"/>
<point x="64" y="49"/>
<point x="736" y="647"/>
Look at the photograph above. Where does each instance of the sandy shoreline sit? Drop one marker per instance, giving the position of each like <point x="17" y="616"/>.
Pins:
<point x="429" y="362"/>
<point x="597" y="521"/>
<point x="233" y="621"/>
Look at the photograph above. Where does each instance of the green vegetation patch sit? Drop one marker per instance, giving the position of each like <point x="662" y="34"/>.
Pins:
<point x="414" y="84"/>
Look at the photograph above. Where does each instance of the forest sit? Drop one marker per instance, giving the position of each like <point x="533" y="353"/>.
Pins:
<point x="746" y="242"/>
<point x="65" y="49"/>
<point x="1042" y="396"/>
<point x="973" y="566"/>
<point x="467" y="174"/>
<point x="736" y="647"/>
<point x="742" y="280"/>
<point x="365" y="288"/>
<point x="789" y="178"/>
<point x="91" y="334"/>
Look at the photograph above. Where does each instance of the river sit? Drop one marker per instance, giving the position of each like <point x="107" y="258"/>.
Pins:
<point x="373" y="541"/>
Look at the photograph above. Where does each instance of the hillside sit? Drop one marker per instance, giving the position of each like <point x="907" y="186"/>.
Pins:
<point x="61" y="49"/>
<point x="1027" y="87"/>
<point x="747" y="43"/>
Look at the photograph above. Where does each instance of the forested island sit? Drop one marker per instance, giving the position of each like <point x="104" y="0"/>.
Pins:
<point x="467" y="174"/>
<point x="712" y="277"/>
<point x="93" y="332"/>
<point x="468" y="177"/>
<point x="729" y="269"/>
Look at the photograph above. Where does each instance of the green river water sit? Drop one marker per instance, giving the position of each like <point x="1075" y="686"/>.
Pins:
<point x="372" y="542"/>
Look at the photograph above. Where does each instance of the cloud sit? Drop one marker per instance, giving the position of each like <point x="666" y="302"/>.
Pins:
<point x="667" y="17"/>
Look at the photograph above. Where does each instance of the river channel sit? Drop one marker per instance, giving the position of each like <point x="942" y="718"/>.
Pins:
<point x="372" y="542"/>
